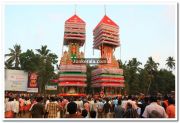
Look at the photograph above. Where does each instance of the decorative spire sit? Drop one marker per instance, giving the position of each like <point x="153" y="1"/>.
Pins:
<point x="105" y="9"/>
<point x="75" y="9"/>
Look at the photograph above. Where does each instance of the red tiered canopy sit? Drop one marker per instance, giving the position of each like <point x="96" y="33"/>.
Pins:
<point x="106" y="32"/>
<point x="74" y="30"/>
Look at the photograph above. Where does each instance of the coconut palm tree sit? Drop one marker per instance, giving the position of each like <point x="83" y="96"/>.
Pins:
<point x="9" y="65"/>
<point x="14" y="56"/>
<point x="134" y="64"/>
<point x="46" y="68"/>
<point x="43" y="52"/>
<point x="170" y="63"/>
<point x="131" y="73"/>
<point x="151" y="67"/>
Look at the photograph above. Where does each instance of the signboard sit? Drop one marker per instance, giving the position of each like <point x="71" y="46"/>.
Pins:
<point x="51" y="87"/>
<point x="32" y="82"/>
<point x="16" y="80"/>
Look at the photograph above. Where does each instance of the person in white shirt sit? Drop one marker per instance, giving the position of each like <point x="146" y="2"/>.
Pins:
<point x="95" y="107"/>
<point x="91" y="104"/>
<point x="139" y="108"/>
<point x="47" y="101"/>
<point x="133" y="103"/>
<point x="9" y="108"/>
<point x="16" y="106"/>
<point x="6" y="99"/>
<point x="77" y="102"/>
<point x="124" y="101"/>
<point x="154" y="110"/>
<point x="65" y="108"/>
<point x="100" y="108"/>
<point x="9" y="105"/>
<point x="81" y="106"/>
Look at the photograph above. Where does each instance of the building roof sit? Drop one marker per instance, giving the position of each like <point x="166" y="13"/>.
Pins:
<point x="75" y="19"/>
<point x="106" y="20"/>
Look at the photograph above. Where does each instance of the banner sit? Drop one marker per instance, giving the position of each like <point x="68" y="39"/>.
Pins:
<point x="16" y="80"/>
<point x="51" y="87"/>
<point x="32" y="82"/>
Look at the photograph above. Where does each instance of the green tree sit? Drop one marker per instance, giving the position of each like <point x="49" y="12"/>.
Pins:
<point x="134" y="65"/>
<point x="46" y="67"/>
<point x="43" y="52"/>
<point x="151" y="67"/>
<point x="9" y="64"/>
<point x="125" y="74"/>
<point x="30" y="61"/>
<point x="143" y="81"/>
<point x="165" y="81"/>
<point x="131" y="75"/>
<point x="13" y="57"/>
<point x="42" y="63"/>
<point x="170" y="63"/>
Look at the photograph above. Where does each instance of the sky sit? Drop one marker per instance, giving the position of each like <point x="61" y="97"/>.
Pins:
<point x="145" y="29"/>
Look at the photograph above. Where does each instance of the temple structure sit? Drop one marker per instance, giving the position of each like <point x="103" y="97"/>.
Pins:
<point x="107" y="79"/>
<point x="72" y="80"/>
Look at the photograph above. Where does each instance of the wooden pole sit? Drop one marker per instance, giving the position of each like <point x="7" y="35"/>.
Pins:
<point x="120" y="51"/>
<point x="84" y="47"/>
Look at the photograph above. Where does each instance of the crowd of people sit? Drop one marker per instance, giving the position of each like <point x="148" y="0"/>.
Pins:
<point x="52" y="106"/>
